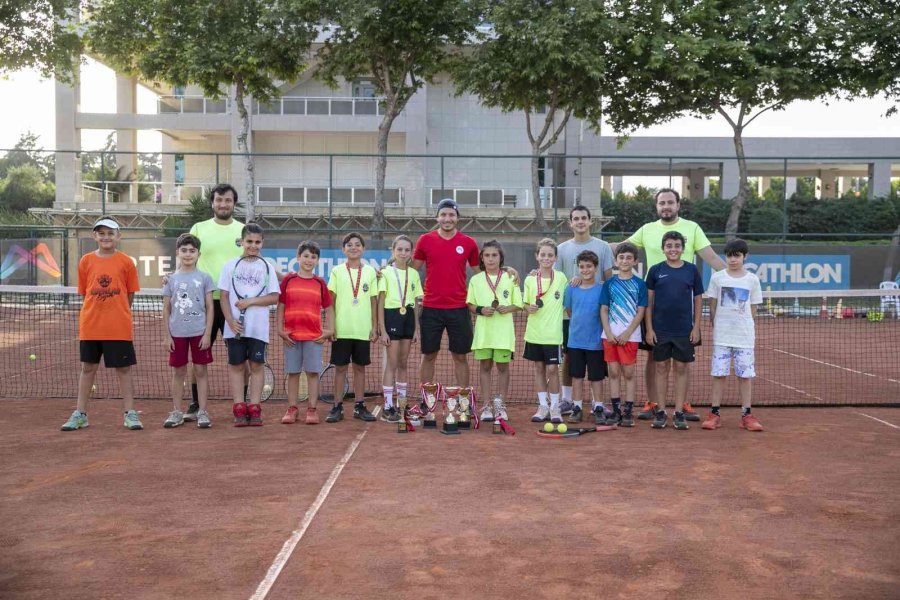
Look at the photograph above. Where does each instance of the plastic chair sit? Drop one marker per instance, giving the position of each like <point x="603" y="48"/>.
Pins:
<point x="887" y="301"/>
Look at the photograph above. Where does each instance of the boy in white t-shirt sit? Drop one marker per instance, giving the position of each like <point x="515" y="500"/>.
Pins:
<point x="733" y="296"/>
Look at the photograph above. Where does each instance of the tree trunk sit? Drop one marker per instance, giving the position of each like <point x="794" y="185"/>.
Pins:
<point x="536" y="189"/>
<point x="737" y="205"/>
<point x="384" y="130"/>
<point x="244" y="147"/>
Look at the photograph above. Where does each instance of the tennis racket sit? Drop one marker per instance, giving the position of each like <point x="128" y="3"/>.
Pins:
<point x="574" y="432"/>
<point x="326" y="385"/>
<point x="250" y="279"/>
<point x="268" y="384"/>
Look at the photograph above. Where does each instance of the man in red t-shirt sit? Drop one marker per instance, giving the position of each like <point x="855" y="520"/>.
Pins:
<point x="445" y="252"/>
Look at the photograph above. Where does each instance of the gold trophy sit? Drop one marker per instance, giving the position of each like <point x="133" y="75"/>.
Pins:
<point x="402" y="425"/>
<point x="430" y="393"/>
<point x="451" y="400"/>
<point x="466" y="399"/>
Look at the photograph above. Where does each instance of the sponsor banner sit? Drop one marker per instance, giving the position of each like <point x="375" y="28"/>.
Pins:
<point x="31" y="262"/>
<point x="797" y="271"/>
<point x="286" y="259"/>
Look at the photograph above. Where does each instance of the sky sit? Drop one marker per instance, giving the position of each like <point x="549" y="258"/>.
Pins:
<point x="27" y="103"/>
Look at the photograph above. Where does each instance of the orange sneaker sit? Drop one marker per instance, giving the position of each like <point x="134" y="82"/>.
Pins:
<point x="713" y="421"/>
<point x="751" y="423"/>
<point x="291" y="415"/>
<point x="312" y="417"/>
<point x="648" y="412"/>
<point x="689" y="413"/>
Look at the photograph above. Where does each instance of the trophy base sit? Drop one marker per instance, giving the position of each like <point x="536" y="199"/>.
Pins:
<point x="402" y="428"/>
<point x="464" y="424"/>
<point x="496" y="428"/>
<point x="450" y="429"/>
<point x="429" y="424"/>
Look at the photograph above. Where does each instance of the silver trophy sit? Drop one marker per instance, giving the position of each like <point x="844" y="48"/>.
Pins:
<point x="430" y="393"/>
<point x="466" y="400"/>
<point x="451" y="402"/>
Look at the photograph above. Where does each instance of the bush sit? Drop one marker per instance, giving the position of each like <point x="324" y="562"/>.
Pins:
<point x="24" y="187"/>
<point x="765" y="219"/>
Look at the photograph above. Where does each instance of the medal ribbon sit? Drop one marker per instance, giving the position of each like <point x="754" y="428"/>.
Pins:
<point x="402" y="293"/>
<point x="540" y="292"/>
<point x="358" y="279"/>
<point x="493" y="285"/>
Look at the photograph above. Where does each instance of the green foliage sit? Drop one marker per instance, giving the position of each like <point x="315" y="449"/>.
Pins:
<point x="15" y="217"/>
<point x="766" y="219"/>
<point x="36" y="36"/>
<point x="27" y="152"/>
<point x="198" y="209"/>
<point x="24" y="187"/>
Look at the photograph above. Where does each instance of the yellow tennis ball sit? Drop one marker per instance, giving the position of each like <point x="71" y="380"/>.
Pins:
<point x="548" y="427"/>
<point x="267" y="388"/>
<point x="32" y="357"/>
<point x="562" y="428"/>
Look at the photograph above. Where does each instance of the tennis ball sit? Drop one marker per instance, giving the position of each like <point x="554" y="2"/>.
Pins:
<point x="267" y="388"/>
<point x="93" y="388"/>
<point x="548" y="427"/>
<point x="562" y="428"/>
<point x="32" y="357"/>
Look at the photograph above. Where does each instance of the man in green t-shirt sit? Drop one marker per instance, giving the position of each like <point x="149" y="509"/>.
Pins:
<point x="649" y="237"/>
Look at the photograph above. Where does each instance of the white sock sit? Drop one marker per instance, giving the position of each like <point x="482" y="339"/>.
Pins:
<point x="567" y="393"/>
<point x="579" y="404"/>
<point x="401" y="389"/>
<point x="542" y="399"/>
<point x="596" y="404"/>
<point x="388" y="391"/>
<point x="554" y="401"/>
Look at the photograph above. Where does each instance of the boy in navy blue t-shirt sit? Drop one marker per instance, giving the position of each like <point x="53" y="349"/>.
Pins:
<point x="675" y="298"/>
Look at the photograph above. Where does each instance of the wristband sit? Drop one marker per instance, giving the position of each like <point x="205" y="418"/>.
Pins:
<point x="478" y="310"/>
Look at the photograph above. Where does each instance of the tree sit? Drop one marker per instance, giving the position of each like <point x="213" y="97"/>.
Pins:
<point x="402" y="45"/>
<point x="734" y="59"/>
<point x="540" y="55"/>
<point x="247" y="44"/>
<point x="35" y="34"/>
<point x="27" y="152"/>
<point x="24" y="187"/>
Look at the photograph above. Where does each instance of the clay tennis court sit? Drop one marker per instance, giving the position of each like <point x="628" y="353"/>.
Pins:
<point x="806" y="509"/>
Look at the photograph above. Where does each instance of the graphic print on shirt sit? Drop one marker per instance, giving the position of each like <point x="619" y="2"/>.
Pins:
<point x="735" y="298"/>
<point x="102" y="293"/>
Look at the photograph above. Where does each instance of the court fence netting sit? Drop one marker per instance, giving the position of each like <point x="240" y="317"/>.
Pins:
<point x="823" y="348"/>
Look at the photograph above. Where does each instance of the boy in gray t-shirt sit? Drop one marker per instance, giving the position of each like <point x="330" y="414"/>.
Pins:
<point x="187" y="326"/>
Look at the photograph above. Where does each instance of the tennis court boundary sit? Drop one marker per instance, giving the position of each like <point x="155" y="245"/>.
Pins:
<point x="879" y="420"/>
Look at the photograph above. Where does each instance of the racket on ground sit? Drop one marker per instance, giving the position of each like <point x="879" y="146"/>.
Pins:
<point x="574" y="432"/>
<point x="268" y="384"/>
<point x="326" y="385"/>
<point x="250" y="279"/>
<point x="302" y="388"/>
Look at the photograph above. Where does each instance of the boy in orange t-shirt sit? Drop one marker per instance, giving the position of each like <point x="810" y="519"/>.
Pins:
<point x="108" y="281"/>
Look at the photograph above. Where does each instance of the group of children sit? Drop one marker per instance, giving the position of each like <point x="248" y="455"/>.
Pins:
<point x="608" y="323"/>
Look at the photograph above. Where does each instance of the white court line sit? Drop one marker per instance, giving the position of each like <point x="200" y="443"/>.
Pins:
<point x="288" y="548"/>
<point x="793" y="389"/>
<point x="879" y="420"/>
<point x="828" y="364"/>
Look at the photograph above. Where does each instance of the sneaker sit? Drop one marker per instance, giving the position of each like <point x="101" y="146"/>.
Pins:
<point x="386" y="413"/>
<point x="566" y="407"/>
<point x="78" y="420"/>
<point x="191" y="414"/>
<point x="627" y="420"/>
<point x="648" y="412"/>
<point x="361" y="412"/>
<point x="175" y="418"/>
<point x="577" y="415"/>
<point x="713" y="421"/>
<point x="542" y="414"/>
<point x="689" y="413"/>
<point x="203" y="421"/>
<point x="679" y="421"/>
<point x="312" y="417"/>
<point x="659" y="420"/>
<point x="599" y="415"/>
<point x="391" y="415"/>
<point x="241" y="415"/>
<point x="751" y="423"/>
<point x="335" y="414"/>
<point x="555" y="415"/>
<point x="614" y="419"/>
<point x="133" y="420"/>
<point x="487" y="413"/>
<point x="255" y="412"/>
<point x="291" y="415"/>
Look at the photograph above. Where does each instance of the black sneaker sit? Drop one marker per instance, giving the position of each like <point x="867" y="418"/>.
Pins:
<point x="599" y="416"/>
<point x="577" y="415"/>
<point x="336" y="414"/>
<point x="614" y="419"/>
<point x="361" y="412"/>
<point x="679" y="422"/>
<point x="391" y="415"/>
<point x="659" y="420"/>
<point x="191" y="413"/>
<point x="627" y="420"/>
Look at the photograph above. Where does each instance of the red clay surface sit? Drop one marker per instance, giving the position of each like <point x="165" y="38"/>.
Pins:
<point x="806" y="509"/>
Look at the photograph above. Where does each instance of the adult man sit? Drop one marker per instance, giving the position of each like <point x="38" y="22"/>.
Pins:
<point x="220" y="238"/>
<point x="649" y="237"/>
<point x="567" y="262"/>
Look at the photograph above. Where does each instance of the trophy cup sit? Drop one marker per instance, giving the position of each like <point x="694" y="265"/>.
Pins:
<point x="403" y="423"/>
<point x="430" y="393"/>
<point x="497" y="426"/>
<point x="451" y="400"/>
<point x="466" y="399"/>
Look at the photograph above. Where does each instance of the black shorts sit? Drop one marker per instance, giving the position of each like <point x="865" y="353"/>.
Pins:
<point x="218" y="321"/>
<point x="400" y="327"/>
<point x="590" y="361"/>
<point x="643" y="345"/>
<point x="545" y="353"/>
<point x="457" y="322"/>
<point x="565" y="344"/>
<point x="115" y="353"/>
<point x="681" y="349"/>
<point x="244" y="349"/>
<point x="345" y="350"/>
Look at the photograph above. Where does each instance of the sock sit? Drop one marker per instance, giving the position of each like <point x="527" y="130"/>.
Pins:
<point x="554" y="400"/>
<point x="715" y="410"/>
<point x="567" y="392"/>
<point x="388" y="396"/>
<point x="615" y="405"/>
<point x="745" y="411"/>
<point x="579" y="403"/>
<point x="195" y="399"/>
<point x="679" y="413"/>
<point x="595" y="404"/>
<point x="401" y="389"/>
<point x="245" y="390"/>
<point x="542" y="398"/>
<point x="629" y="406"/>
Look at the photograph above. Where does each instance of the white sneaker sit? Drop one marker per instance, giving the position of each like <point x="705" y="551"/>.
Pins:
<point x="503" y="414"/>
<point x="542" y="414"/>
<point x="175" y="418"/>
<point x="566" y="407"/>
<point x="487" y="413"/>
<point x="555" y="414"/>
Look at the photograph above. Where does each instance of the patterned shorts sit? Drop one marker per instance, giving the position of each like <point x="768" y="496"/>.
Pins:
<point x="744" y="363"/>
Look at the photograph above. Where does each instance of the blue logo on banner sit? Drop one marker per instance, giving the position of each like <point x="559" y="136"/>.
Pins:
<point x="286" y="259"/>
<point x="797" y="271"/>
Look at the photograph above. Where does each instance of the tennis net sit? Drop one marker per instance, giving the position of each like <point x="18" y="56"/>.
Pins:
<point x="813" y="348"/>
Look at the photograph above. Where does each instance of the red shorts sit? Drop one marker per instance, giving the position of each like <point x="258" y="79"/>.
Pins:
<point x="179" y="356"/>
<point x="626" y="355"/>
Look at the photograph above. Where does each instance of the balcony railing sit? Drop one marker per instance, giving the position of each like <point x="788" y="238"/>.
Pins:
<point x="319" y="195"/>
<point x="506" y="198"/>
<point x="196" y="105"/>
<point x="321" y="106"/>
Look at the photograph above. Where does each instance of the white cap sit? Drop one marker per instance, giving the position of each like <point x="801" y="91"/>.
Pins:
<point x="106" y="222"/>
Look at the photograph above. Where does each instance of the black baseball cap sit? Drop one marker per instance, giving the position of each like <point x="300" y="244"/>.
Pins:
<point x="448" y="203"/>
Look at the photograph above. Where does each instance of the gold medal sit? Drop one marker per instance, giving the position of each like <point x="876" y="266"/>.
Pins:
<point x="402" y="310"/>
<point x="495" y="303"/>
